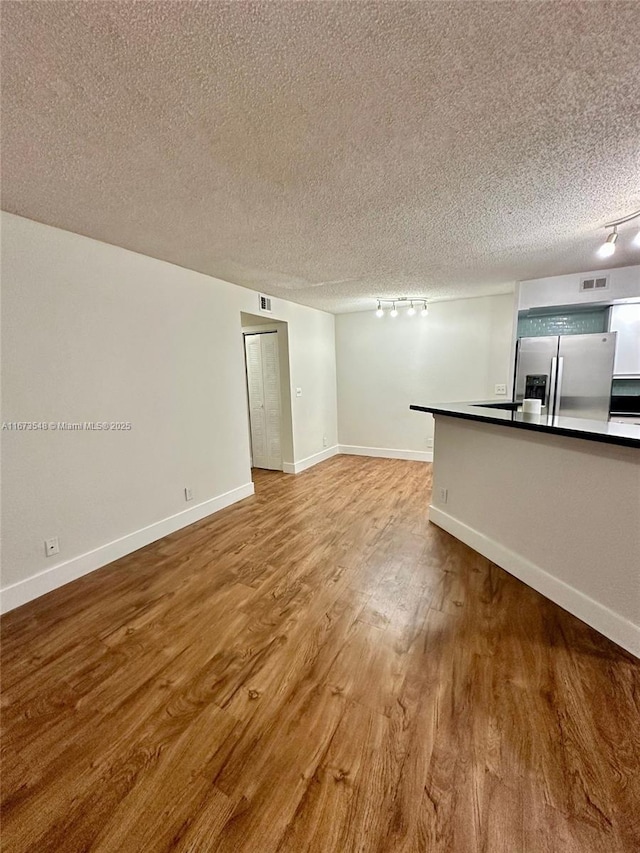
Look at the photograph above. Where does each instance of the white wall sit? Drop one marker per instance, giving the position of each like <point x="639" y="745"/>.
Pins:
<point x="312" y="346"/>
<point x="624" y="283"/>
<point x="458" y="352"/>
<point x="94" y="332"/>
<point x="559" y="513"/>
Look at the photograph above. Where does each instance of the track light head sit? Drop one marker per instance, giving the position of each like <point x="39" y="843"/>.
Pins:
<point x="394" y="311"/>
<point x="411" y="310"/>
<point x="609" y="246"/>
<point x="425" y="310"/>
<point x="380" y="311"/>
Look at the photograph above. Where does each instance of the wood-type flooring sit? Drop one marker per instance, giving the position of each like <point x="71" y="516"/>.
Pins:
<point x="316" y="668"/>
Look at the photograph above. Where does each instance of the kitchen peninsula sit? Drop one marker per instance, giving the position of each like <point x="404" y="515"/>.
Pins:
<point x="555" y="501"/>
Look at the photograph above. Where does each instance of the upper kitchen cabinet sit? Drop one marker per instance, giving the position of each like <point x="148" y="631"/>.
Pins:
<point x="625" y="320"/>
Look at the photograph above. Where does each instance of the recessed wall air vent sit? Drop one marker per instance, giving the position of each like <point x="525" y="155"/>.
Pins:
<point x="264" y="303"/>
<point x="599" y="283"/>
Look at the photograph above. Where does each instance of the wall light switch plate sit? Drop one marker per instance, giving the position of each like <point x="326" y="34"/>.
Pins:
<point x="51" y="546"/>
<point x="298" y="392"/>
<point x="188" y="494"/>
<point x="500" y="389"/>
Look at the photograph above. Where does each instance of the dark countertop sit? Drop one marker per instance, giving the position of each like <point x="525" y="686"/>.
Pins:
<point x="504" y="414"/>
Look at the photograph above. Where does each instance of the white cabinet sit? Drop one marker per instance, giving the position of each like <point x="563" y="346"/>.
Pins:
<point x="625" y="320"/>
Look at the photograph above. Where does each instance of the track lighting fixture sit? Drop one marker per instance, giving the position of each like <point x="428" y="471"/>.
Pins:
<point x="411" y="309"/>
<point x="609" y="246"/>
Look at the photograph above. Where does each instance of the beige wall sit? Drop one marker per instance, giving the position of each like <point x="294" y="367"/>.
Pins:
<point x="92" y="332"/>
<point x="560" y="513"/>
<point x="458" y="352"/>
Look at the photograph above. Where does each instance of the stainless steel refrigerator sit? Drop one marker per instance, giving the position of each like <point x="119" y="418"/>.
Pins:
<point x="570" y="374"/>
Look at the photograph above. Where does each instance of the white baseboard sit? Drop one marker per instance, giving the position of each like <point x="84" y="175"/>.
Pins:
<point x="50" y="579"/>
<point x="606" y="621"/>
<point x="387" y="453"/>
<point x="303" y="464"/>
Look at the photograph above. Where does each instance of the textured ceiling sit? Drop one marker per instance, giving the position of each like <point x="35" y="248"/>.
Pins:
<point x="329" y="152"/>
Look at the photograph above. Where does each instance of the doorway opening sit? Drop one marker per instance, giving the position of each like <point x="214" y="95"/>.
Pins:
<point x="268" y="389"/>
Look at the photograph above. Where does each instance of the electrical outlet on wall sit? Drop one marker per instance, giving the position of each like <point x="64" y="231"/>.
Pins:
<point x="429" y="443"/>
<point x="444" y="495"/>
<point x="188" y="494"/>
<point x="500" y="389"/>
<point x="325" y="442"/>
<point x="51" y="546"/>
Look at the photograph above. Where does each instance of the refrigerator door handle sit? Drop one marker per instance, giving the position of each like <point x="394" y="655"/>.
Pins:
<point x="551" y="397"/>
<point x="558" y="398"/>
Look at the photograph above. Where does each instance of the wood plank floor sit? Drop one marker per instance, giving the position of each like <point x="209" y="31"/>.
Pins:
<point x="315" y="669"/>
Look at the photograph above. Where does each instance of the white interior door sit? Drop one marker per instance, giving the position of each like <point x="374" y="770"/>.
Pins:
<point x="263" y="384"/>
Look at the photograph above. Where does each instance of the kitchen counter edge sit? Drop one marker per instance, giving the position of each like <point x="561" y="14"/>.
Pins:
<point x="606" y="432"/>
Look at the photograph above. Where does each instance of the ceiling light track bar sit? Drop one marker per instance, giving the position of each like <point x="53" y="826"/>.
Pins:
<point x="402" y="299"/>
<point x="623" y="220"/>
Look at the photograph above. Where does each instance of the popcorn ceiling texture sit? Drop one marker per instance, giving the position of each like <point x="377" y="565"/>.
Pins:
<point x="329" y="152"/>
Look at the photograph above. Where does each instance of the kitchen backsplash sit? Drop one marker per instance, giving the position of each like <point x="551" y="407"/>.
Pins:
<point x="567" y="323"/>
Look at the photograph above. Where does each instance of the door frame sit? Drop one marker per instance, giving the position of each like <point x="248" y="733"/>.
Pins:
<point x="252" y="324"/>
